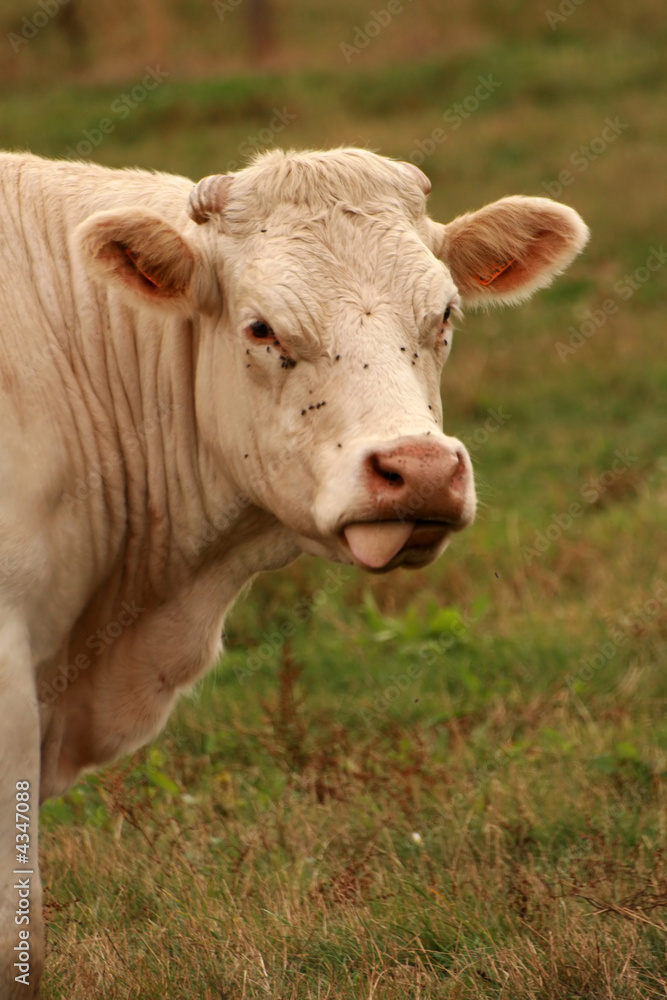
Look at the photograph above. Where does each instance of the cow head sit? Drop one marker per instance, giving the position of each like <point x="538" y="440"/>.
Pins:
<point x="323" y="300"/>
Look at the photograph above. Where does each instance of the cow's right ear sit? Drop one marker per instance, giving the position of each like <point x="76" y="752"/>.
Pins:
<point x="148" y="260"/>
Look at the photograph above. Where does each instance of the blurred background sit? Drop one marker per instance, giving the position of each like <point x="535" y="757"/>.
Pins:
<point x="455" y="778"/>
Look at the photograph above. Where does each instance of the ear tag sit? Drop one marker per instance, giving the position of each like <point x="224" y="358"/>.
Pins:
<point x="494" y="272"/>
<point x="146" y="276"/>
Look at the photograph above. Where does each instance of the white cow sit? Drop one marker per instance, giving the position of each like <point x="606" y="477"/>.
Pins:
<point x="196" y="385"/>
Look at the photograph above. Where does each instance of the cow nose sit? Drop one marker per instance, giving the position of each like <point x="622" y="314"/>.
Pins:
<point x="411" y="495"/>
<point x="384" y="467"/>
<point x="420" y="481"/>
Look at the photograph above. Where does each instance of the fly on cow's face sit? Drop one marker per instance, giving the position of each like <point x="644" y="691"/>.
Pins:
<point x="260" y="330"/>
<point x="452" y="311"/>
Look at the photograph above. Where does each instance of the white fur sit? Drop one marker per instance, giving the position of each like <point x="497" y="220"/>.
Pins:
<point x="155" y="455"/>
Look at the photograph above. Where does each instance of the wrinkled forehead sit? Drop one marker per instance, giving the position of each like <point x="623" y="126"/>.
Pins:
<point x="344" y="258"/>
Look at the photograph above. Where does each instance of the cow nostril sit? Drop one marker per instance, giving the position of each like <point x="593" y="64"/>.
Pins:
<point x="389" y="475"/>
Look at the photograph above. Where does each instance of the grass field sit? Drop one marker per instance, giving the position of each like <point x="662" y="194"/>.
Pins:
<point x="451" y="783"/>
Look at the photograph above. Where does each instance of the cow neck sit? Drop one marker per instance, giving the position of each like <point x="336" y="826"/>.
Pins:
<point x="181" y="518"/>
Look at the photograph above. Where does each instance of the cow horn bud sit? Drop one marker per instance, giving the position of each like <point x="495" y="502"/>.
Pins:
<point x="417" y="175"/>
<point x="208" y="197"/>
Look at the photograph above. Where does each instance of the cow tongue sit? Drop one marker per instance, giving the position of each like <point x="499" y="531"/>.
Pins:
<point x="374" y="543"/>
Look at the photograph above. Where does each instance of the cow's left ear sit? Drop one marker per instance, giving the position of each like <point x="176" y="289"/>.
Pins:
<point x="147" y="259"/>
<point x="507" y="250"/>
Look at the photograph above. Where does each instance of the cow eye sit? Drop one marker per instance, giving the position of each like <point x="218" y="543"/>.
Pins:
<point x="447" y="314"/>
<point x="260" y="329"/>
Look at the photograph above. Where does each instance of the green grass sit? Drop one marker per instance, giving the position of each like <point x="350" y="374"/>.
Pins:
<point x="449" y="783"/>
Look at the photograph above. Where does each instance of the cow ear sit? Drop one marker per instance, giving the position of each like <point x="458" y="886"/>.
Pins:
<point x="147" y="259"/>
<point x="507" y="250"/>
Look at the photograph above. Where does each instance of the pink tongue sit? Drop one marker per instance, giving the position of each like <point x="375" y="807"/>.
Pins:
<point x="374" y="543"/>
